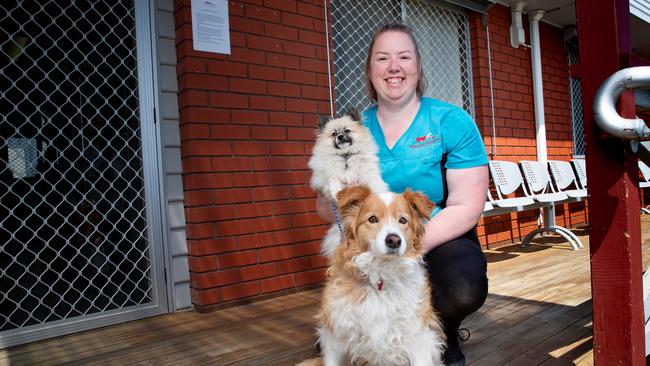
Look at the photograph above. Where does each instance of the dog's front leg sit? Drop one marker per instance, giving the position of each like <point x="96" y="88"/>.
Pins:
<point x="334" y="185"/>
<point x="333" y="350"/>
<point x="422" y="354"/>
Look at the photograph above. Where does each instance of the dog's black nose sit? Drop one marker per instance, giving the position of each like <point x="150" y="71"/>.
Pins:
<point x="393" y="241"/>
<point x="340" y="137"/>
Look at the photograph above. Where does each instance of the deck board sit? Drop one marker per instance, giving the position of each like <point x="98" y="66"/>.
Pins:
<point x="538" y="312"/>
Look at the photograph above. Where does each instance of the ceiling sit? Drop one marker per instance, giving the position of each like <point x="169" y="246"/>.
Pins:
<point x="562" y="13"/>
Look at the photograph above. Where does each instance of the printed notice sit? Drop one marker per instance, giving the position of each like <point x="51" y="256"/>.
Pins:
<point x="210" y="29"/>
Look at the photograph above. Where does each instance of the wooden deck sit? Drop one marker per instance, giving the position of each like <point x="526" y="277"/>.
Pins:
<point x="538" y="312"/>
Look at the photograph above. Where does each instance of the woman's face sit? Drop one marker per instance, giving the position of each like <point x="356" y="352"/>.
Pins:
<point x="394" y="68"/>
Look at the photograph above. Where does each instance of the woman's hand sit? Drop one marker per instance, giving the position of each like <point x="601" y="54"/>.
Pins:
<point x="465" y="203"/>
<point x="324" y="209"/>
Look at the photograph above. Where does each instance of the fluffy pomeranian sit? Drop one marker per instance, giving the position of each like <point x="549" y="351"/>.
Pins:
<point x="345" y="154"/>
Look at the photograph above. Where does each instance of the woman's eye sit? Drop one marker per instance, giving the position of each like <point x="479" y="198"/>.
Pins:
<point x="402" y="220"/>
<point x="373" y="219"/>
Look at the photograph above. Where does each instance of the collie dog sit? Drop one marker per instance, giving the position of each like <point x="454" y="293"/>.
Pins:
<point x="376" y="307"/>
<point x="344" y="154"/>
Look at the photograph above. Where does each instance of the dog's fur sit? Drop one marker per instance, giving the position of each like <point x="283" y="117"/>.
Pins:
<point x="376" y="307"/>
<point x="344" y="154"/>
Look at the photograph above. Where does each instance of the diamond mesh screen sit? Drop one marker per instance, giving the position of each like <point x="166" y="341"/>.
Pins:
<point x="442" y="35"/>
<point x="576" y="103"/>
<point x="72" y="208"/>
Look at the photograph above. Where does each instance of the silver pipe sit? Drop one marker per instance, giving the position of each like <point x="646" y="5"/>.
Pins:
<point x="610" y="90"/>
<point x="494" y="128"/>
<point x="329" y="68"/>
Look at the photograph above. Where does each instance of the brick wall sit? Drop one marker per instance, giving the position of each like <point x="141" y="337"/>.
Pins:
<point x="514" y="114"/>
<point x="247" y="125"/>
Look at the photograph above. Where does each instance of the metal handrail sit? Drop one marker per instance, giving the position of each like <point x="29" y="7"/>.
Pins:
<point x="605" y="112"/>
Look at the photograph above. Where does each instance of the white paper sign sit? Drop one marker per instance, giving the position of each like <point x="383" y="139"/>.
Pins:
<point x="210" y="28"/>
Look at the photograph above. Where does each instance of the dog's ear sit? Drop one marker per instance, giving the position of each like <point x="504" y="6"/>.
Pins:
<point x="420" y="203"/>
<point x="322" y="121"/>
<point x="349" y="202"/>
<point x="354" y="114"/>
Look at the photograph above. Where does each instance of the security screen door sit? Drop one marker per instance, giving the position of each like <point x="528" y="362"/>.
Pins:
<point x="75" y="176"/>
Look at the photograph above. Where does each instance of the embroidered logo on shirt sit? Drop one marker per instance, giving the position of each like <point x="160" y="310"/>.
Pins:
<point x="425" y="140"/>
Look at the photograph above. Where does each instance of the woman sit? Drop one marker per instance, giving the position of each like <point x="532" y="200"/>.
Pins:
<point x="435" y="148"/>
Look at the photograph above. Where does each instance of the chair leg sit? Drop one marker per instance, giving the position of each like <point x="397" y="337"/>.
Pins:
<point x="645" y="210"/>
<point x="570" y="237"/>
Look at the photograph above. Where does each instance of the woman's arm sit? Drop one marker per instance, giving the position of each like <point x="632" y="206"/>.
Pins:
<point x="465" y="202"/>
<point x="324" y="209"/>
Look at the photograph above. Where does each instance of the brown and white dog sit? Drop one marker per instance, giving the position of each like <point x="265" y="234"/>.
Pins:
<point x="376" y="307"/>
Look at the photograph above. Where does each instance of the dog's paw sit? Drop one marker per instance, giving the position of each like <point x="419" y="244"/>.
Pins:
<point x="362" y="262"/>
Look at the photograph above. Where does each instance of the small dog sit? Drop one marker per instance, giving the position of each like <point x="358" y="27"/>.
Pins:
<point x="344" y="154"/>
<point x="376" y="307"/>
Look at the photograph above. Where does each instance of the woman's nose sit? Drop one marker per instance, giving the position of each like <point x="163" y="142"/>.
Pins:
<point x="393" y="65"/>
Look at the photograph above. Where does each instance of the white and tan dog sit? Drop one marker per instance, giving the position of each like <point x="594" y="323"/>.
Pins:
<point x="376" y="307"/>
<point x="344" y="154"/>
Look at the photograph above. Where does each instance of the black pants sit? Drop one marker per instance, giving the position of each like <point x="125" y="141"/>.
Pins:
<point x="458" y="275"/>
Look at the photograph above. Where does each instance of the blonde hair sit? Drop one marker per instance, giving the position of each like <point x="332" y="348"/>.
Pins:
<point x="393" y="27"/>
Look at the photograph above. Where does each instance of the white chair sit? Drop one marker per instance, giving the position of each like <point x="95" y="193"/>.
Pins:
<point x="581" y="172"/>
<point x="538" y="182"/>
<point x="564" y="178"/>
<point x="507" y="180"/>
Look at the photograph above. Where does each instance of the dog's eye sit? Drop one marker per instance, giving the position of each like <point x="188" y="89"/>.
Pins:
<point x="347" y="130"/>
<point x="333" y="133"/>
<point x="402" y="220"/>
<point x="373" y="219"/>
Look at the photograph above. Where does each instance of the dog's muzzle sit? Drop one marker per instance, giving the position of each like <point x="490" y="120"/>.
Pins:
<point x="393" y="243"/>
<point x="342" y="139"/>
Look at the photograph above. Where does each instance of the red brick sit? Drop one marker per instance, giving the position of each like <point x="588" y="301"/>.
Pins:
<point x="192" y="98"/>
<point x="275" y="253"/>
<point x="203" y="82"/>
<point x="229" y="100"/>
<point x="270" y="163"/>
<point x="255" y="179"/>
<point x="310" y="37"/>
<point x="194" y="131"/>
<point x="202" y="264"/>
<point x="205" y="297"/>
<point x="209" y="213"/>
<point x="257" y="272"/>
<point x="285" y="5"/>
<point x="205" y="148"/>
<point x="298" y="162"/>
<point x="230" y="132"/>
<point x="277" y="283"/>
<point x="267" y="103"/>
<point x="191" y="65"/>
<point x="313" y="11"/>
<point x="281" y="31"/>
<point x="309" y="248"/>
<point x="259" y="240"/>
<point x="246" y="25"/>
<point x="314" y="92"/>
<point x="266" y="73"/>
<point x="280" y="178"/>
<point x="247" y="56"/>
<point x="201" y="247"/>
<point x="224" y="196"/>
<point x="289" y="207"/>
<point x="249" y="117"/>
<point x="283" y="60"/>
<point x="237" y="259"/>
<point x="287" y="119"/>
<point x="300" y="77"/>
<point x="269" y="133"/>
<point x="302" y="105"/>
<point x="283" y="89"/>
<point x="205" y="181"/>
<point x="308" y="219"/>
<point x="213" y="279"/>
<point x="301" y="134"/>
<point x="298" y="49"/>
<point x="238" y="85"/>
<point x="196" y="165"/>
<point x="200" y="231"/>
<point x="271" y="193"/>
<point x="287" y="148"/>
<point x="227" y="68"/>
<point x="293" y="265"/>
<point x="205" y="115"/>
<point x="250" y="226"/>
<point x="298" y="21"/>
<point x="318" y="261"/>
<point x="255" y="148"/>
<point x="309" y="277"/>
<point x="249" y="210"/>
<point x="198" y="198"/>
<point x="230" y="164"/>
<point x="239" y="291"/>
<point x="261" y="13"/>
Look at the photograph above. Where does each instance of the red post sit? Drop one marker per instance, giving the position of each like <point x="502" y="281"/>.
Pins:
<point x="614" y="221"/>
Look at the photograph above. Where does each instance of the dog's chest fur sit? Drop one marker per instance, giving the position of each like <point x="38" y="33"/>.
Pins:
<point x="380" y="324"/>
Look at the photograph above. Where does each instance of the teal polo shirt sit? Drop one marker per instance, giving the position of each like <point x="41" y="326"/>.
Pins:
<point x="414" y="162"/>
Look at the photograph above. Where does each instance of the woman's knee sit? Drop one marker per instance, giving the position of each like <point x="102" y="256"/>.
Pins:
<point x="459" y="297"/>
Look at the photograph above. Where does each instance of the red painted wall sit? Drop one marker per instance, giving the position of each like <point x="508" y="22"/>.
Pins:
<point x="247" y="127"/>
